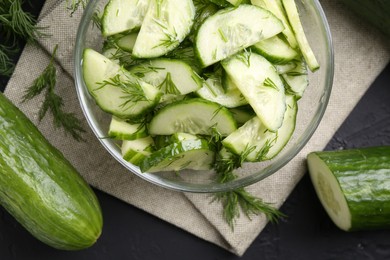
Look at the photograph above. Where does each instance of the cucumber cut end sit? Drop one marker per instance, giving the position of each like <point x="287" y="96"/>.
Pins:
<point x="329" y="192"/>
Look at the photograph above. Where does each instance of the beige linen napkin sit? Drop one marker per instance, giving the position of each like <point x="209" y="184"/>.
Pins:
<point x="361" y="53"/>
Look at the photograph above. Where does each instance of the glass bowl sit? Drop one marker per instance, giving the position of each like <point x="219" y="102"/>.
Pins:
<point x="311" y="107"/>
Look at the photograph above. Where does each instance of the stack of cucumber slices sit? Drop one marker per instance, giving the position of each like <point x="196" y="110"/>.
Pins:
<point x="188" y="80"/>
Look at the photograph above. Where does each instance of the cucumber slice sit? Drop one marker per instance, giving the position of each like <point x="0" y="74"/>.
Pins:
<point x="126" y="42"/>
<point x="260" y="84"/>
<point x="276" y="7"/>
<point x="275" y="50"/>
<point x="284" y="68"/>
<point x="260" y="144"/>
<point x="114" y="89"/>
<point x="297" y="79"/>
<point x="214" y="91"/>
<point x="123" y="130"/>
<point x="166" y="24"/>
<point x="295" y="21"/>
<point x="187" y="154"/>
<point x="231" y="30"/>
<point x="169" y="76"/>
<point x="193" y="116"/>
<point x="353" y="186"/>
<point x="135" y="151"/>
<point x="123" y="15"/>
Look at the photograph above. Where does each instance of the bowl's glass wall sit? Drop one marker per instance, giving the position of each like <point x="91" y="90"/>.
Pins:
<point x="310" y="112"/>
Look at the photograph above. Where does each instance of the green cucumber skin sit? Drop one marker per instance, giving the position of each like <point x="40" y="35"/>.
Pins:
<point x="375" y="12"/>
<point x="41" y="189"/>
<point x="364" y="178"/>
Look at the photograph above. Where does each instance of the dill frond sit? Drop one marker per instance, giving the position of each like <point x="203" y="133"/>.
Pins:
<point x="73" y="5"/>
<point x="16" y="22"/>
<point x="53" y="103"/>
<point x="6" y="64"/>
<point x="239" y="200"/>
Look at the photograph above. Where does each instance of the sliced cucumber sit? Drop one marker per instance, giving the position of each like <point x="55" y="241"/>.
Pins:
<point x="255" y="140"/>
<point x="276" y="7"/>
<point x="135" y="151"/>
<point x="284" y="68"/>
<point x="275" y="50"/>
<point x="230" y="30"/>
<point x="169" y="76"/>
<point x="353" y="186"/>
<point x="186" y="154"/>
<point x="123" y="130"/>
<point x="123" y="15"/>
<point x="295" y="21"/>
<point x="127" y="41"/>
<point x="213" y="90"/>
<point x="297" y="79"/>
<point x="166" y="24"/>
<point x="115" y="90"/>
<point x="193" y="116"/>
<point x="260" y="84"/>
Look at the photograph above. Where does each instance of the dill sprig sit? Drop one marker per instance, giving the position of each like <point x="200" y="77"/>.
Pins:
<point x="52" y="102"/>
<point x="15" y="22"/>
<point x="238" y="200"/>
<point x="6" y="64"/>
<point x="73" y="5"/>
<point x="130" y="87"/>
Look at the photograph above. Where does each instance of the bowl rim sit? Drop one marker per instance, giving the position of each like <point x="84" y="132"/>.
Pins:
<point x="202" y="188"/>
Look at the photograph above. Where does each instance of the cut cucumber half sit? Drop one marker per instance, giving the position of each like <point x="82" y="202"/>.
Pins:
<point x="123" y="15"/>
<point x="260" y="144"/>
<point x="297" y="79"/>
<point x="276" y="7"/>
<point x="191" y="154"/>
<point x="276" y="50"/>
<point x="114" y="89"/>
<point x="214" y="91"/>
<point x="169" y="76"/>
<point x="135" y="151"/>
<point x="231" y="30"/>
<point x="295" y="21"/>
<point x="353" y="186"/>
<point x="123" y="130"/>
<point x="166" y="24"/>
<point x="193" y="116"/>
<point x="260" y="84"/>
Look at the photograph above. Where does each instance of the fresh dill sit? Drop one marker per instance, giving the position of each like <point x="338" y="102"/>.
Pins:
<point x="131" y="88"/>
<point x="245" y="57"/>
<point x="47" y="81"/>
<point x="6" y="64"/>
<point x="270" y="84"/>
<point x="15" y="22"/>
<point x="168" y="86"/>
<point x="73" y="5"/>
<point x="170" y="36"/>
<point x="238" y="200"/>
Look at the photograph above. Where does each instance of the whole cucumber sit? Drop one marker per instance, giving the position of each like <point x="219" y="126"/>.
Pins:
<point x="353" y="186"/>
<point x="41" y="189"/>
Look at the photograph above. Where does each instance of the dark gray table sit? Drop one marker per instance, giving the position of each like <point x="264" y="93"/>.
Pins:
<point x="307" y="232"/>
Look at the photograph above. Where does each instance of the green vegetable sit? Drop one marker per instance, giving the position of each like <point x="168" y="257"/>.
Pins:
<point x="238" y="199"/>
<point x="53" y="102"/>
<point x="353" y="186"/>
<point x="15" y="25"/>
<point x="41" y="189"/>
<point x="375" y="12"/>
